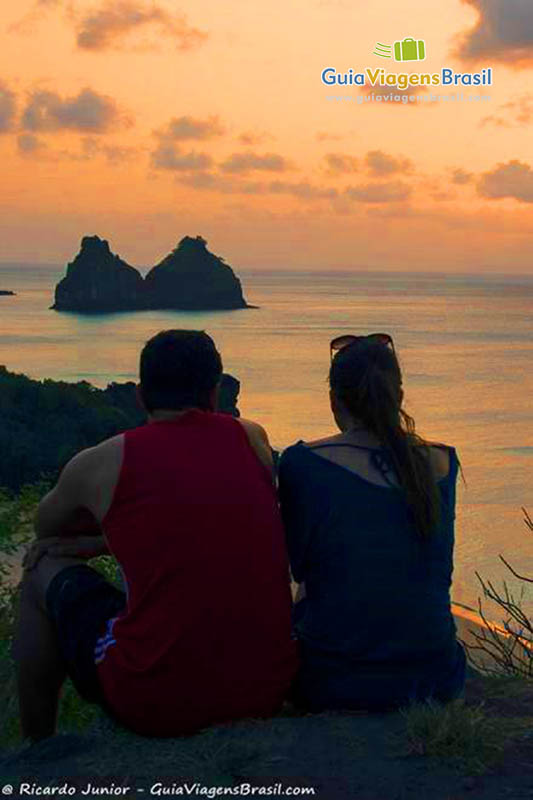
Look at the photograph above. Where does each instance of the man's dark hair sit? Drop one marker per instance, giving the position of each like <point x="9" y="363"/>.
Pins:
<point x="179" y="369"/>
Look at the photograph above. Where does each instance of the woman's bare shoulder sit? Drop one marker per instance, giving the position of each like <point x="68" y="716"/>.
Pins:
<point x="439" y="455"/>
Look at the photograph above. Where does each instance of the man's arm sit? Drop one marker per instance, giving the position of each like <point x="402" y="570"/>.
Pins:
<point x="64" y="524"/>
<point x="64" y="510"/>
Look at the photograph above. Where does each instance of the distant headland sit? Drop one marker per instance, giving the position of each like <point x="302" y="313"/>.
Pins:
<point x="190" y="278"/>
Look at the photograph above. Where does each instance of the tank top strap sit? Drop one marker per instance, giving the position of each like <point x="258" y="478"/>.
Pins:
<point x="454" y="464"/>
<point x="345" y="444"/>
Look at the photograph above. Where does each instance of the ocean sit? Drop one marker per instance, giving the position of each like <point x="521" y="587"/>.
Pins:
<point x="465" y="345"/>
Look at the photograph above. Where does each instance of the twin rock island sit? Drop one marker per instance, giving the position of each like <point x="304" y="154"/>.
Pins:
<point x="190" y="278"/>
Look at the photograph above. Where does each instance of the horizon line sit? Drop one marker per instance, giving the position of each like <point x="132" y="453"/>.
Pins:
<point x="487" y="271"/>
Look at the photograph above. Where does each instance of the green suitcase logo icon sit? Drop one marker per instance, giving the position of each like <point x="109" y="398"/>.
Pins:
<point x="410" y="50"/>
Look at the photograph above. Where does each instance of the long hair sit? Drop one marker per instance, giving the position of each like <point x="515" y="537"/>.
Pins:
<point x="366" y="377"/>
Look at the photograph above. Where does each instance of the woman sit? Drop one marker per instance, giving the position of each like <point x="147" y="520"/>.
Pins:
<point x="369" y="515"/>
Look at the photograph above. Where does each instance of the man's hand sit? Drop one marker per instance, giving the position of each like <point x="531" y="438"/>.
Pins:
<point x="66" y="546"/>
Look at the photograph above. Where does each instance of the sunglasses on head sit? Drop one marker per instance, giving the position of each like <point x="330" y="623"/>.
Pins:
<point x="340" y="342"/>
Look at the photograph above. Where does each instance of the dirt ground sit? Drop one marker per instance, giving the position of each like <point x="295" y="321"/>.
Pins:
<point x="338" y="755"/>
<point x="362" y="756"/>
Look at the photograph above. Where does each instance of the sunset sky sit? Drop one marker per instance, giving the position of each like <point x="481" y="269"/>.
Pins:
<point x="145" y="121"/>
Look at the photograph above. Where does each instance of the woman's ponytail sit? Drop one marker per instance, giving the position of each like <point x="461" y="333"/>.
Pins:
<point x="367" y="379"/>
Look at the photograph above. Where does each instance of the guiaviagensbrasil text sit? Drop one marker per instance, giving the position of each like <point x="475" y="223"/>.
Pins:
<point x="403" y="80"/>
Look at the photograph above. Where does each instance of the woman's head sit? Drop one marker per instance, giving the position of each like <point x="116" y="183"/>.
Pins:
<point x="366" y="388"/>
<point x="366" y="384"/>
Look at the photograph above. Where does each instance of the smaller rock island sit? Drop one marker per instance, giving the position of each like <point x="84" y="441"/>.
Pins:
<point x="190" y="278"/>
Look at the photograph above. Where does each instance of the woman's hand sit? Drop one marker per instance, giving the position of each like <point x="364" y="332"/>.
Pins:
<point x="84" y="547"/>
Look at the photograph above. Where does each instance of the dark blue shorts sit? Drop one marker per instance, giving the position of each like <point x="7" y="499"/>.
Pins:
<point x="80" y="601"/>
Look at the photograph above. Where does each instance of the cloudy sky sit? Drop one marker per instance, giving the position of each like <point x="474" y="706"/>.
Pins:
<point x="143" y="121"/>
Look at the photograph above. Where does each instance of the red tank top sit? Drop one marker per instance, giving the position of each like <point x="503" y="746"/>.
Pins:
<point x="195" y="526"/>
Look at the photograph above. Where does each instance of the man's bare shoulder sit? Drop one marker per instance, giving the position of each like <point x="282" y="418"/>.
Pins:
<point x="254" y="429"/>
<point x="98" y="454"/>
<point x="258" y="438"/>
<point x="89" y="466"/>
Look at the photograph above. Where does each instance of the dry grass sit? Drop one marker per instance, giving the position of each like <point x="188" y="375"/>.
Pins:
<point x="464" y="735"/>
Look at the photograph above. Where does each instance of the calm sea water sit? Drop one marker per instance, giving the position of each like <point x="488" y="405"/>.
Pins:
<point x="465" y="343"/>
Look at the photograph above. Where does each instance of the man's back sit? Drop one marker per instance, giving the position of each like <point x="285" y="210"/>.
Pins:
<point x="187" y="505"/>
<point x="195" y="526"/>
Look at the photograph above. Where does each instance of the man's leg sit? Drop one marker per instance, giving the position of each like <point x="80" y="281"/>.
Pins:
<point x="40" y="667"/>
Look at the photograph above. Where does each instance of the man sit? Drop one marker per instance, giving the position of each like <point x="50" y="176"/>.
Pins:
<point x="187" y="505"/>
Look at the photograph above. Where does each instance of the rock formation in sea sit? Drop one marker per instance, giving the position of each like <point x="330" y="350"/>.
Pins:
<point x="189" y="278"/>
<point x="98" y="280"/>
<point x="192" y="277"/>
<point x="6" y="293"/>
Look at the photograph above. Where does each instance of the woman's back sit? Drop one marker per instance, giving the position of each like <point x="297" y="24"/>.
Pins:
<point x="365" y="569"/>
<point x="377" y="593"/>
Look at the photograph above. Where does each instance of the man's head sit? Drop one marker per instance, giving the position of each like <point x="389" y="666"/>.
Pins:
<point x="179" y="369"/>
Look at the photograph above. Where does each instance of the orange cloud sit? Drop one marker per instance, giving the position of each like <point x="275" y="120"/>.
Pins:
<point x="39" y="11"/>
<point x="303" y="189"/>
<point x="8" y="108"/>
<point x="107" y="27"/>
<point x="503" y="32"/>
<point x="245" y="162"/>
<point x="513" y="113"/>
<point x="169" y="156"/>
<point x="90" y="148"/>
<point x="221" y="183"/>
<point x="390" y="192"/>
<point x="180" y="128"/>
<point x="340" y="163"/>
<point x="514" y="179"/>
<point x="114" y="154"/>
<point x="461" y="176"/>
<point x="86" y="111"/>
<point x="251" y="138"/>
<point x="380" y="163"/>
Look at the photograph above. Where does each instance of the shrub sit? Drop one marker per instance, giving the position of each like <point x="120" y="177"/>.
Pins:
<point x="509" y="645"/>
